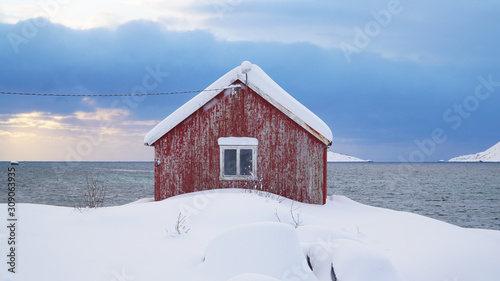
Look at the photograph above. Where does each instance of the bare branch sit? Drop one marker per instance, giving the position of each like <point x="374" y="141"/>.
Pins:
<point x="277" y="216"/>
<point x="295" y="215"/>
<point x="180" y="225"/>
<point x="94" y="194"/>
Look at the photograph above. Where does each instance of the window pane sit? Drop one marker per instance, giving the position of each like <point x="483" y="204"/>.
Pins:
<point x="230" y="162"/>
<point x="245" y="162"/>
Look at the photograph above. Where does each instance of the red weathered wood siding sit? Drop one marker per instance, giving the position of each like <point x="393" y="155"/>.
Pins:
<point x="290" y="160"/>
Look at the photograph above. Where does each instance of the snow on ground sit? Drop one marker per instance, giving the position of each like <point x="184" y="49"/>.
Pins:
<point x="241" y="236"/>
<point x="339" y="157"/>
<point x="492" y="154"/>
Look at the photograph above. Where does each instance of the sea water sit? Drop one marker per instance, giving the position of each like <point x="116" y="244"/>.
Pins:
<point x="65" y="183"/>
<point x="464" y="194"/>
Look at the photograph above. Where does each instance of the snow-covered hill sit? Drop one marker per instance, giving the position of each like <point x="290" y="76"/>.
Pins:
<point x="231" y="235"/>
<point x="339" y="157"/>
<point x="490" y="155"/>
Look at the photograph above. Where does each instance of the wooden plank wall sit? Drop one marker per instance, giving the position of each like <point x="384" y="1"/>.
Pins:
<point x="290" y="160"/>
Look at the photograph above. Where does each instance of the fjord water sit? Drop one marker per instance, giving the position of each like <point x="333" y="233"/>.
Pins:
<point x="64" y="183"/>
<point x="465" y="194"/>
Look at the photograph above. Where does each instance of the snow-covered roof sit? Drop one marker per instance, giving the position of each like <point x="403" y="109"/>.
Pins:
<point x="238" y="141"/>
<point x="260" y="83"/>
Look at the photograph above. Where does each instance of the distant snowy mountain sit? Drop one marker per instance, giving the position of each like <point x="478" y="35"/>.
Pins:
<point x="339" y="157"/>
<point x="490" y="155"/>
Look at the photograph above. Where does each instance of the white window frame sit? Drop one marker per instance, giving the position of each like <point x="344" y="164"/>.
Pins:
<point x="238" y="144"/>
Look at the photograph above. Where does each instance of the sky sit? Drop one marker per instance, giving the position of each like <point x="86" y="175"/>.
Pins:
<point x="396" y="81"/>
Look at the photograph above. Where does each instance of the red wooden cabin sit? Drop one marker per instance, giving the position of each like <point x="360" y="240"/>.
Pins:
<point x="243" y="131"/>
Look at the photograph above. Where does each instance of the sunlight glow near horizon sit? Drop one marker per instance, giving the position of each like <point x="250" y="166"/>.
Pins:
<point x="408" y="67"/>
<point x="106" y="13"/>
<point x="90" y="136"/>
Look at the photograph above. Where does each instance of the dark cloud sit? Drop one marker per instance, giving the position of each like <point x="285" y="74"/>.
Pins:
<point x="377" y="101"/>
<point x="430" y="32"/>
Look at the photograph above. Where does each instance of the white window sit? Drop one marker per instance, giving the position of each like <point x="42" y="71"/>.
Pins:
<point x="238" y="158"/>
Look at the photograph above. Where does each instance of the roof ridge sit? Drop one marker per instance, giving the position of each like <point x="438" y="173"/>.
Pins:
<point x="259" y="82"/>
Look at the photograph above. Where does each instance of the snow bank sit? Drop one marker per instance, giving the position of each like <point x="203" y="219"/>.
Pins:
<point x="339" y="157"/>
<point x="252" y="277"/>
<point x="143" y="200"/>
<point x="359" y="262"/>
<point x="236" y="236"/>
<point x="333" y="253"/>
<point x="270" y="248"/>
<point x="490" y="155"/>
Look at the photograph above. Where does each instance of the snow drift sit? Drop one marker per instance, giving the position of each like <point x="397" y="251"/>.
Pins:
<point x="240" y="236"/>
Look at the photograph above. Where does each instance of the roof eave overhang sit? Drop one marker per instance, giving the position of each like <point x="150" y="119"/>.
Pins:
<point x="237" y="78"/>
<point x="292" y="116"/>
<point x="154" y="139"/>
